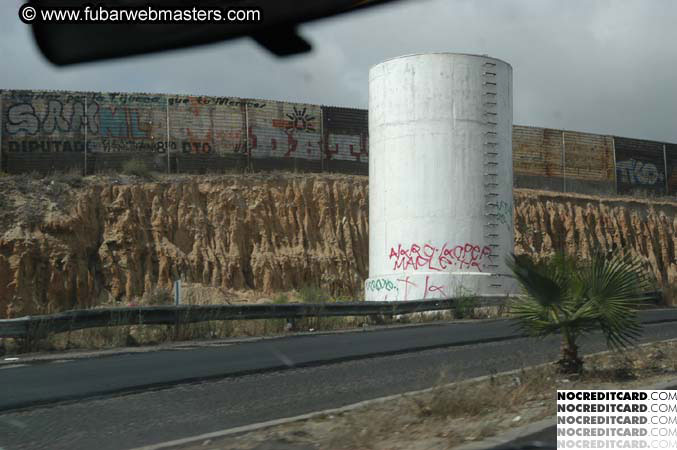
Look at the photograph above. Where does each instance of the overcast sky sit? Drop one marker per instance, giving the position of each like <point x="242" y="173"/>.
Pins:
<point x="603" y="66"/>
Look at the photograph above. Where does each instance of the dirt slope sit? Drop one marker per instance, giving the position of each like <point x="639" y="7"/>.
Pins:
<point x="67" y="242"/>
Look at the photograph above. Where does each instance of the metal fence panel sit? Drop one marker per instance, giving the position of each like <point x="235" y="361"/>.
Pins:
<point x="48" y="131"/>
<point x="671" y="168"/>
<point x="125" y="127"/>
<point x="640" y="167"/>
<point x="127" y="123"/>
<point x="285" y="136"/>
<point x="207" y="125"/>
<point x="537" y="158"/>
<point x="48" y="125"/>
<point x="588" y="163"/>
<point x="346" y="140"/>
<point x="215" y="163"/>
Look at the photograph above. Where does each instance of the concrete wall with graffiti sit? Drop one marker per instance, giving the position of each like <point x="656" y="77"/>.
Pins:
<point x="571" y="161"/>
<point x="640" y="165"/>
<point x="45" y="131"/>
<point x="91" y="132"/>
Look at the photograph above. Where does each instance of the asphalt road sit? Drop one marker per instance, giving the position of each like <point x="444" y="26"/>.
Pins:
<point x="169" y="395"/>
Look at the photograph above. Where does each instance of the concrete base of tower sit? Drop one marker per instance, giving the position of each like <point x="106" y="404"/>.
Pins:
<point x="438" y="285"/>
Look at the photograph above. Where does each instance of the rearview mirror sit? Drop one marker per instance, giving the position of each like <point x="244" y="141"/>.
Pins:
<point x="78" y="41"/>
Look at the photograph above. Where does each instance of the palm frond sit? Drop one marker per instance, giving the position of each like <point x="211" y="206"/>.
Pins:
<point x="614" y="286"/>
<point x="578" y="298"/>
<point x="533" y="318"/>
<point x="543" y="284"/>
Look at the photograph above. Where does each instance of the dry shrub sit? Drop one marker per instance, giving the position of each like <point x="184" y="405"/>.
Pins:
<point x="635" y="363"/>
<point x="481" y="398"/>
<point x="136" y="167"/>
<point x="670" y="295"/>
<point x="72" y="178"/>
<point x="159" y="296"/>
<point x="198" y="294"/>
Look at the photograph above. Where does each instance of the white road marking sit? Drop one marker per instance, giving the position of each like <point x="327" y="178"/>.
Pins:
<point x="14" y="423"/>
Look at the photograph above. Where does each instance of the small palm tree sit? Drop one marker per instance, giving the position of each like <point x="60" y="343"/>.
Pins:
<point x="576" y="298"/>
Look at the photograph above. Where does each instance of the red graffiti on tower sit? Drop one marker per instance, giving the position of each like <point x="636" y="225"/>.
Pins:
<point x="431" y="257"/>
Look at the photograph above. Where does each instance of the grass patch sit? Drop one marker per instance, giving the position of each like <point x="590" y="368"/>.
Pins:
<point x="281" y="299"/>
<point x="313" y="294"/>
<point x="138" y="168"/>
<point x="31" y="215"/>
<point x="116" y="336"/>
<point x="670" y="295"/>
<point x="72" y="178"/>
<point x="159" y="296"/>
<point x="466" y="304"/>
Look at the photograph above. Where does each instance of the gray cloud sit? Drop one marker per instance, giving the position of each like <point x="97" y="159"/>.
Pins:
<point x="604" y="66"/>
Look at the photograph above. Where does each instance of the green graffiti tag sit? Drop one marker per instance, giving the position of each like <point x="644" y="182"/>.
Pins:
<point x="504" y="214"/>
<point x="381" y="284"/>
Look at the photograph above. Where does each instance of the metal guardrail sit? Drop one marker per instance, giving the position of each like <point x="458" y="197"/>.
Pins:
<point x="38" y="326"/>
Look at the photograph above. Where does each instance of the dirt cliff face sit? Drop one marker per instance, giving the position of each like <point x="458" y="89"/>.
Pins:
<point x="70" y="243"/>
<point x="264" y="233"/>
<point x="581" y="224"/>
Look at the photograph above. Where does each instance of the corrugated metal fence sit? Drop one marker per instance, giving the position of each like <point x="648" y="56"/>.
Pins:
<point x="46" y="131"/>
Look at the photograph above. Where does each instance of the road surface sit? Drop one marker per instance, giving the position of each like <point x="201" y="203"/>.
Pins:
<point x="129" y="400"/>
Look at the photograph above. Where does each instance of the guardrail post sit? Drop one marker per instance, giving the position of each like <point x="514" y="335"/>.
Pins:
<point x="177" y="292"/>
<point x="564" y="163"/>
<point x="169" y="161"/>
<point x="613" y="147"/>
<point x="1" y="125"/>
<point x="247" y="150"/>
<point x="665" y="167"/>
<point x="86" y="136"/>
<point x="322" y="141"/>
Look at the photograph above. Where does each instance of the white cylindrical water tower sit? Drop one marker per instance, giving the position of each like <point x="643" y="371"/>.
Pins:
<point x="440" y="177"/>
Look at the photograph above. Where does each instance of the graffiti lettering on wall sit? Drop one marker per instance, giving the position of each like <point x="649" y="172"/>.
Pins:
<point x="49" y="146"/>
<point x="430" y="289"/>
<point x="122" y="122"/>
<point x="287" y="131"/>
<point x="504" y="214"/>
<point x="220" y="101"/>
<point x="300" y="120"/>
<point x="126" y="145"/>
<point x="57" y="124"/>
<point x="23" y="119"/>
<point x="284" y="140"/>
<point x="292" y="130"/>
<point x="639" y="172"/>
<point x="196" y="147"/>
<point x="39" y="121"/>
<point x="431" y="257"/>
<point x="346" y="146"/>
<point x="381" y="284"/>
<point x="116" y="97"/>
<point x="201" y="129"/>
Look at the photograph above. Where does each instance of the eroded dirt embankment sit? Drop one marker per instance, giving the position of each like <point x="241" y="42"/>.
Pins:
<point x="120" y="238"/>
<point x="67" y="242"/>
<point x="580" y="224"/>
